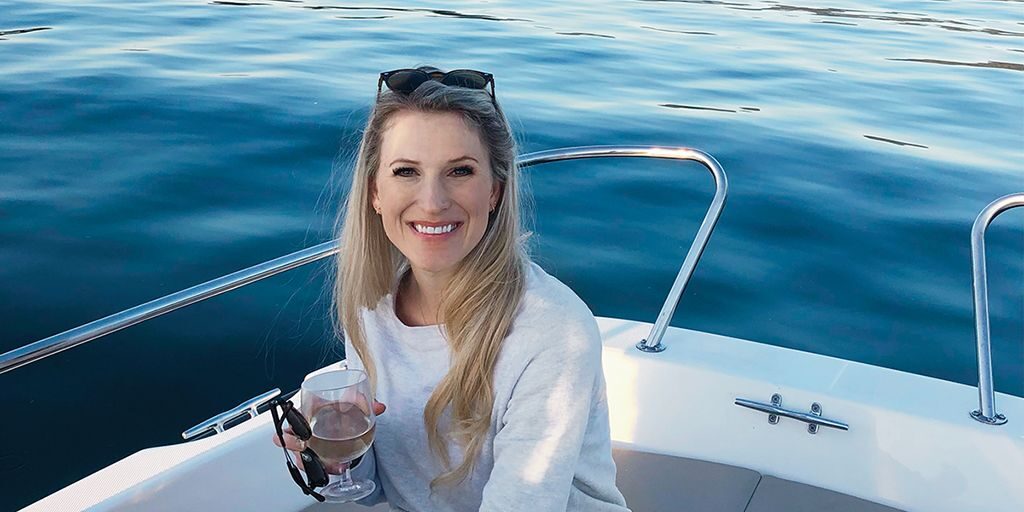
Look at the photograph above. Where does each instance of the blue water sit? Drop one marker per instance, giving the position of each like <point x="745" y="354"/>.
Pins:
<point x="149" y="146"/>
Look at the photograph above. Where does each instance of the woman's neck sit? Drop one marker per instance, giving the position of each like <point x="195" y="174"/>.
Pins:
<point x="419" y="298"/>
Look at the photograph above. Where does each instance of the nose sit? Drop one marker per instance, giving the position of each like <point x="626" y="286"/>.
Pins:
<point x="433" y="196"/>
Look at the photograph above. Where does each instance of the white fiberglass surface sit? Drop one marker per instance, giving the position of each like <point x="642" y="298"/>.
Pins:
<point x="911" y="443"/>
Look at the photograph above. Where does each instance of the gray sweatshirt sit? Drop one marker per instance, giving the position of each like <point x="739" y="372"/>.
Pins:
<point x="549" y="445"/>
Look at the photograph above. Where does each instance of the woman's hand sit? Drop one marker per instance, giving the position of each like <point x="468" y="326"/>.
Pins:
<point x="296" y="445"/>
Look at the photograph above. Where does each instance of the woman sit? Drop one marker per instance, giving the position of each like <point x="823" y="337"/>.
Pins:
<point x="490" y="367"/>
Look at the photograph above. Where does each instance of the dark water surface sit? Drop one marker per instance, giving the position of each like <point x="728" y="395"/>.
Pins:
<point x="149" y="146"/>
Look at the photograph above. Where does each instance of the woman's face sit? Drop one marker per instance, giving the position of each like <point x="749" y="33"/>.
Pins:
<point x="434" y="189"/>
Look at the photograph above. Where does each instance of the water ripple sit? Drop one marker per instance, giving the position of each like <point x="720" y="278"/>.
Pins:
<point x="588" y="34"/>
<point x="439" y="12"/>
<point x="688" y="32"/>
<point x="227" y="2"/>
<point x="1013" y="66"/>
<point x="695" y="107"/>
<point x="894" y="141"/>
<point x="12" y="462"/>
<point x="22" y="31"/>
<point x="894" y="16"/>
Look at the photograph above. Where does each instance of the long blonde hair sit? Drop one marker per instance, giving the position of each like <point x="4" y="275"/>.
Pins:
<point x="477" y="306"/>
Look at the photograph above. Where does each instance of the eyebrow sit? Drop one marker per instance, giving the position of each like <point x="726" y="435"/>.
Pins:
<point x="414" y="162"/>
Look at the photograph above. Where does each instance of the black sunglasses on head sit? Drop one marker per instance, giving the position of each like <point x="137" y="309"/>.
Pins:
<point x="315" y="471"/>
<point x="405" y="81"/>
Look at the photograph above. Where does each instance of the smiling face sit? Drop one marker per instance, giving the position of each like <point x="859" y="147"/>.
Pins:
<point x="434" y="189"/>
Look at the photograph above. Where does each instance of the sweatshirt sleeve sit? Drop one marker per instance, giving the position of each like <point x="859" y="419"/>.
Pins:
<point x="537" y="449"/>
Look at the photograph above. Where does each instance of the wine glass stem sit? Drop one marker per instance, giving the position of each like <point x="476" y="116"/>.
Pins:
<point x="343" y="481"/>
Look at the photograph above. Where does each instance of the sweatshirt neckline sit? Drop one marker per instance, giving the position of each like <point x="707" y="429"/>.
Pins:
<point x="426" y="337"/>
<point x="421" y="337"/>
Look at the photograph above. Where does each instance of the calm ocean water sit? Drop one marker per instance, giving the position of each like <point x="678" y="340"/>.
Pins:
<point x="149" y="146"/>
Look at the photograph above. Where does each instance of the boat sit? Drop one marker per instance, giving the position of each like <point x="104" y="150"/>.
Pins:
<point x="699" y="421"/>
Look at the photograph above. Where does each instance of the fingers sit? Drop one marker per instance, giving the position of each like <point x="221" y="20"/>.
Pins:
<point x="290" y="441"/>
<point x="293" y="444"/>
<point x="360" y="402"/>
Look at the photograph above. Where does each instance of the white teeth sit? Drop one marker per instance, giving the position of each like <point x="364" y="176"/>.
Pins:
<point x="430" y="230"/>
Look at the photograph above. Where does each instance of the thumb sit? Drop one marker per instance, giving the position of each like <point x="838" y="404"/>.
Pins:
<point x="378" y="408"/>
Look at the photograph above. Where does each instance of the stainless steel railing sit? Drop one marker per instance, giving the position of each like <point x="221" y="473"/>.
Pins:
<point x="98" y="328"/>
<point x="652" y="343"/>
<point x="986" y="412"/>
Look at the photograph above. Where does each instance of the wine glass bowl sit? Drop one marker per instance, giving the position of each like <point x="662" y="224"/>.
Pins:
<point x="338" y="406"/>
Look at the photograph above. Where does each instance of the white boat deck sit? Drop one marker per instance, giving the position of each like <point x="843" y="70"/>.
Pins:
<point x="680" y="441"/>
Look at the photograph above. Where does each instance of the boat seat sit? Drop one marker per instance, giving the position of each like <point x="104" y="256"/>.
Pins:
<point x="775" y="494"/>
<point x="664" y="483"/>
<point x="656" y="483"/>
<point x="652" y="482"/>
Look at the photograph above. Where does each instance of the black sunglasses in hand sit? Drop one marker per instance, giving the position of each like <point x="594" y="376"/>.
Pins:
<point x="405" y="81"/>
<point x="315" y="471"/>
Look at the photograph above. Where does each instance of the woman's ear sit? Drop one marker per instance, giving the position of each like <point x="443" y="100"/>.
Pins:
<point x="495" y="194"/>
<point x="374" y="199"/>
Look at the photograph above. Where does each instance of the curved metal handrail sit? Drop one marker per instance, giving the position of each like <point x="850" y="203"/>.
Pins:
<point x="986" y="412"/>
<point x="99" y="328"/>
<point x="652" y="343"/>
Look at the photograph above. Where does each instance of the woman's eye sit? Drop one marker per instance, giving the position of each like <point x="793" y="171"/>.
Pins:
<point x="404" y="171"/>
<point x="465" y="170"/>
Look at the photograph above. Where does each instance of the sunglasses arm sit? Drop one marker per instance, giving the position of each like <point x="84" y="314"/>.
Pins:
<point x="280" y="432"/>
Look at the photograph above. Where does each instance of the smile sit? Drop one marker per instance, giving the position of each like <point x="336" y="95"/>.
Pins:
<point x="441" y="229"/>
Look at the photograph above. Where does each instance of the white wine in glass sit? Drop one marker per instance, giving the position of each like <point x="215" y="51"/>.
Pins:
<point x="339" y="408"/>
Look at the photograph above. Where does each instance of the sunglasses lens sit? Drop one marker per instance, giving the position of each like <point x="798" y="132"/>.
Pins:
<point x="314" y="468"/>
<point x="299" y="425"/>
<point x="467" y="79"/>
<point x="406" y="81"/>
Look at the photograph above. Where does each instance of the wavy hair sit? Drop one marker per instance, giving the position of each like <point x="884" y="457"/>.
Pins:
<point x="477" y="306"/>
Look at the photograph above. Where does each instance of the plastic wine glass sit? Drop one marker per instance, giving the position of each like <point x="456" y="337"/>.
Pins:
<point x="338" y="406"/>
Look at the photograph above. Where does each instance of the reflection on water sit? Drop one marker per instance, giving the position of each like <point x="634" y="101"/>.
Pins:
<point x="148" y="146"/>
<point x="225" y="2"/>
<point x="690" y="32"/>
<point x="744" y="110"/>
<point x="591" y="34"/>
<point x="438" y="12"/>
<point x="894" y="141"/>
<point x="22" y="31"/>
<point x="990" y="64"/>
<point x="694" y="107"/>
<point x="906" y="18"/>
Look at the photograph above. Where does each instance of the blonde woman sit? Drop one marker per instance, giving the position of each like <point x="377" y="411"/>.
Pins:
<point x="490" y="367"/>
